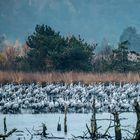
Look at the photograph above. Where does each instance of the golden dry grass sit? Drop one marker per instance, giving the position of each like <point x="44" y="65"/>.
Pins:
<point x="68" y="77"/>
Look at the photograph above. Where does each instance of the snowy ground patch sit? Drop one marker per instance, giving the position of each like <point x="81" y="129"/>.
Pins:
<point x="76" y="123"/>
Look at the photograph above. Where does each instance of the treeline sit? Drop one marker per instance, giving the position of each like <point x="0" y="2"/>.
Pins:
<point x="47" y="50"/>
<point x="117" y="60"/>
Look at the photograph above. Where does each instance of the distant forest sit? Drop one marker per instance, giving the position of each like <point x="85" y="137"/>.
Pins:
<point x="47" y="50"/>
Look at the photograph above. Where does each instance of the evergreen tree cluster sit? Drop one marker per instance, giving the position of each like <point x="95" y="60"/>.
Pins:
<point x="50" y="51"/>
<point x="118" y="60"/>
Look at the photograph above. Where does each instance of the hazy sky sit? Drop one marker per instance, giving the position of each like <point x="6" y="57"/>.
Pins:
<point x="92" y="19"/>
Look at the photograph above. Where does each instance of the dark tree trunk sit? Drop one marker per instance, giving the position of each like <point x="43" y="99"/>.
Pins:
<point x="93" y="121"/>
<point x="65" y="120"/>
<point x="118" y="134"/>
<point x="137" y="130"/>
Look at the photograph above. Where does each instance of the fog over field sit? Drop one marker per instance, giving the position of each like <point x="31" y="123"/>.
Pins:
<point x="92" y="19"/>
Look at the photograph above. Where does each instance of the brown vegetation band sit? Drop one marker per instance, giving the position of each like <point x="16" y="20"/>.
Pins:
<point x="68" y="77"/>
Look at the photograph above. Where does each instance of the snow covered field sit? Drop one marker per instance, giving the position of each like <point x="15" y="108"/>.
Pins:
<point x="76" y="123"/>
<point x="34" y="98"/>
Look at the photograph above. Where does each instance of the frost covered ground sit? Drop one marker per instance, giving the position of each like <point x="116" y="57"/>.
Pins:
<point x="76" y="124"/>
<point x="34" y="98"/>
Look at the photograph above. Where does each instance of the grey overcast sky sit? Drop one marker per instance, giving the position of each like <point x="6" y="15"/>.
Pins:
<point x="92" y="19"/>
